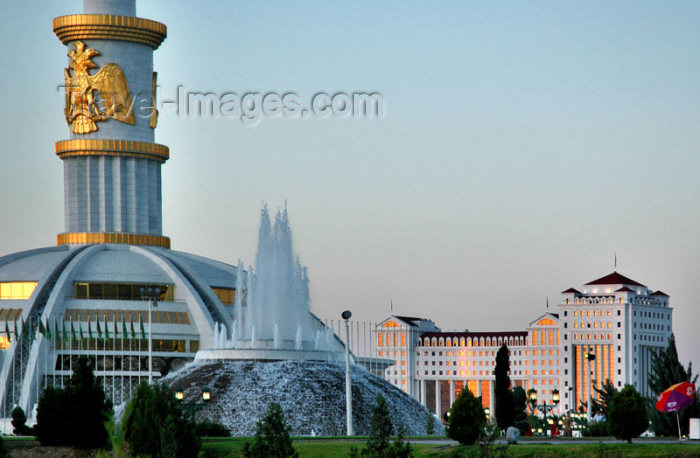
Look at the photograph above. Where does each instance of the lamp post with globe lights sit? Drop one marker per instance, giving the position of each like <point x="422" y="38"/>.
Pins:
<point x="348" y="382"/>
<point x="151" y="295"/>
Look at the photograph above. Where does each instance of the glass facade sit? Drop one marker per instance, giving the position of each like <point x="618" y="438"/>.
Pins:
<point x="120" y="291"/>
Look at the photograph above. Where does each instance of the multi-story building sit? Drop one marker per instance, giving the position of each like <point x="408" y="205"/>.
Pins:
<point x="617" y="319"/>
<point x="621" y="322"/>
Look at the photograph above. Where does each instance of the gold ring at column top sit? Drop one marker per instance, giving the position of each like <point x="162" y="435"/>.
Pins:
<point x="109" y="27"/>
<point x="106" y="147"/>
<point x="94" y="238"/>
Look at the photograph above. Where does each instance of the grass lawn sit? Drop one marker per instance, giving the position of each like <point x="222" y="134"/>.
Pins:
<point x="332" y="447"/>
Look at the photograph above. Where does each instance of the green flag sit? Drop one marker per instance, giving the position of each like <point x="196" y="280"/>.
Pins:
<point x="107" y="330"/>
<point x="7" y="331"/>
<point x="15" y="328"/>
<point x="65" y="334"/>
<point x="125" y="331"/>
<point x="47" y="329"/>
<point x="133" y="331"/>
<point x="99" y="329"/>
<point x="82" y="337"/>
<point x="72" y="330"/>
<point x="90" y="330"/>
<point x="42" y="331"/>
<point x="56" y="331"/>
<point x="143" y="331"/>
<point x="116" y="327"/>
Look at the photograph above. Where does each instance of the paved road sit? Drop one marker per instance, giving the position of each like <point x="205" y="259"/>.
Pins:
<point x="587" y="440"/>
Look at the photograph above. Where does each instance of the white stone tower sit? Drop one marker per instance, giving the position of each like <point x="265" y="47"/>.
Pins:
<point x="112" y="176"/>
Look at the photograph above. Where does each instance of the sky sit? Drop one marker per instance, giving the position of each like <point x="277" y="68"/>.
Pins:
<point x="521" y="147"/>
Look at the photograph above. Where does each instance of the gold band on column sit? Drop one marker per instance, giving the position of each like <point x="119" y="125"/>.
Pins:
<point x="72" y="148"/>
<point x="90" y="238"/>
<point x="109" y="27"/>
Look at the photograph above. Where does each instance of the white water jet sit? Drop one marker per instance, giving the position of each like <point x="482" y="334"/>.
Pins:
<point x="277" y="336"/>
<point x="271" y="304"/>
<point x="298" y="339"/>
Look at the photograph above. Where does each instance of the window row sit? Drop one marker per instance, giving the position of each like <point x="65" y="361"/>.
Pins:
<point x="126" y="316"/>
<point x="123" y="291"/>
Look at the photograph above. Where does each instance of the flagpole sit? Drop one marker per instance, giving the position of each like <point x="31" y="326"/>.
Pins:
<point x="114" y="369"/>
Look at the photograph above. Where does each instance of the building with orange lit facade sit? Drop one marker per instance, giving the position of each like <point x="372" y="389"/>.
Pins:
<point x="618" y="319"/>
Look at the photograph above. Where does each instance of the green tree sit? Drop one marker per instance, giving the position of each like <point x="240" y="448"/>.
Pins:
<point x="628" y="416"/>
<point x="666" y="371"/>
<point x="504" y="397"/>
<point x="90" y="409"/>
<point x="77" y="415"/>
<point x="272" y="438"/>
<point x="381" y="429"/>
<point x="606" y="393"/>
<point x="430" y="424"/>
<point x="155" y="425"/>
<point x="520" y="410"/>
<point x="52" y="412"/>
<point x="19" y="422"/>
<point x="466" y="419"/>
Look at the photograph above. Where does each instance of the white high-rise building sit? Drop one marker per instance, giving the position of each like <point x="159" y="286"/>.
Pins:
<point x="617" y="319"/>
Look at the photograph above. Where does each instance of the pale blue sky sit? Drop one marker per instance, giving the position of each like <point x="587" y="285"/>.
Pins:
<point x="523" y="144"/>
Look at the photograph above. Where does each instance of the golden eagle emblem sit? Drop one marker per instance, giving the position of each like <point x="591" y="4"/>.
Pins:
<point x="107" y="87"/>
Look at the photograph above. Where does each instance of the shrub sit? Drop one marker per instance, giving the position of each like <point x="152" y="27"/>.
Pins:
<point x="599" y="429"/>
<point x="19" y="422"/>
<point x="154" y="424"/>
<point x="628" y="416"/>
<point x="466" y="419"/>
<point x="209" y="429"/>
<point x="272" y="438"/>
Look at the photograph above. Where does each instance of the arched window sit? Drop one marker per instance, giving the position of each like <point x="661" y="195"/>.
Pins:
<point x="441" y="342"/>
<point x="461" y="342"/>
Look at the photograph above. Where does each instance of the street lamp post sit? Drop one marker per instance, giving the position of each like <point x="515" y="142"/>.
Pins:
<point x="152" y="297"/>
<point x="348" y="382"/>
<point x="544" y="407"/>
<point x="590" y="357"/>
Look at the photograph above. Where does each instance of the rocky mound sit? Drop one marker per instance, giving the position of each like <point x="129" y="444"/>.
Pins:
<point x="311" y="393"/>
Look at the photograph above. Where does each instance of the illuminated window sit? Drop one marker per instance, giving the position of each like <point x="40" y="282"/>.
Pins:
<point x="19" y="290"/>
<point x="379" y="341"/>
<point x="227" y="296"/>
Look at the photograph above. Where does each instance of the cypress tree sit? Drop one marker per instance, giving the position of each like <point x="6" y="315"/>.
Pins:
<point x="504" y="397"/>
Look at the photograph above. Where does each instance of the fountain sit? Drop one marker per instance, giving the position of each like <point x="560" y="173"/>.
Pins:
<point x="276" y="350"/>
<point x="271" y="318"/>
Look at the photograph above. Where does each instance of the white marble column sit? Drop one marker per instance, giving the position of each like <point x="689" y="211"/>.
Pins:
<point x="438" y="407"/>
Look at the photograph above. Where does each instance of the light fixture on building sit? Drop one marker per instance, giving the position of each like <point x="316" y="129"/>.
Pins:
<point x="179" y="395"/>
<point x="206" y="394"/>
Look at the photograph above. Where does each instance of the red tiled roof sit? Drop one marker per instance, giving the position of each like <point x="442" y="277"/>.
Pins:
<point x="571" y="290"/>
<point x="660" y="293"/>
<point x="408" y="319"/>
<point x="614" y="279"/>
<point x="625" y="289"/>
